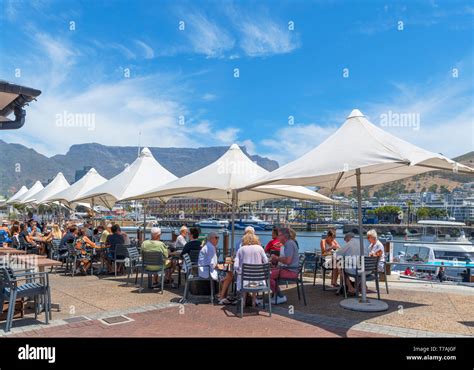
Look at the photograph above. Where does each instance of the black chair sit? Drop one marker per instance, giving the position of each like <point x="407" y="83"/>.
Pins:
<point x="370" y="269"/>
<point x="152" y="259"/>
<point x="16" y="284"/>
<point x="255" y="279"/>
<point x="298" y="280"/>
<point x="324" y="269"/>
<point x="192" y="275"/>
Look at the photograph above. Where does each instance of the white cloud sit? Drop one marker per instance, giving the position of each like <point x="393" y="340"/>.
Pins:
<point x="148" y="52"/>
<point x="206" y="37"/>
<point x="263" y="37"/>
<point x="292" y="141"/>
<point x="111" y="112"/>
<point x="209" y="97"/>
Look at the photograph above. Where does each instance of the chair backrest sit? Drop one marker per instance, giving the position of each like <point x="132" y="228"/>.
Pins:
<point x="153" y="258"/>
<point x="194" y="256"/>
<point x="301" y="262"/>
<point x="71" y="247"/>
<point x="251" y="272"/>
<point x="187" y="261"/>
<point x="133" y="253"/>
<point x="7" y="277"/>
<point x="371" y="263"/>
<point x="121" y="250"/>
<point x="55" y="244"/>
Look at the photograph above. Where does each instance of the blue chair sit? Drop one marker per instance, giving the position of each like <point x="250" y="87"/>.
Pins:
<point x="15" y="284"/>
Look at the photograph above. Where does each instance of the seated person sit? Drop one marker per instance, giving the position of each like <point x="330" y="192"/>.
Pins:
<point x="26" y="241"/>
<point x="288" y="263"/>
<point x="251" y="252"/>
<point x="83" y="244"/>
<point x="274" y="245"/>
<point x="328" y="246"/>
<point x="208" y="257"/>
<point x="193" y="244"/>
<point x="376" y="249"/>
<point x="181" y="239"/>
<point x="156" y="245"/>
<point x="112" y="241"/>
<point x="4" y="234"/>
<point x="350" y="249"/>
<point x="15" y="236"/>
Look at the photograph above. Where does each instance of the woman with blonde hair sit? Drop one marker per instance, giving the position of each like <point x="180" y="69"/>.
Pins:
<point x="56" y="232"/>
<point x="251" y="252"/>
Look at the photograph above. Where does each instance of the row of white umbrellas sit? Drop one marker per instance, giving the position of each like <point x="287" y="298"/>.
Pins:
<point x="146" y="178"/>
<point x="357" y="154"/>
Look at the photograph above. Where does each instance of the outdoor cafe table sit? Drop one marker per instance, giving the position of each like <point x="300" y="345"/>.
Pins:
<point x="8" y="250"/>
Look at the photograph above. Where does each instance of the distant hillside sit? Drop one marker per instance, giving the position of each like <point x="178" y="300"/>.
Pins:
<point x="23" y="166"/>
<point x="447" y="179"/>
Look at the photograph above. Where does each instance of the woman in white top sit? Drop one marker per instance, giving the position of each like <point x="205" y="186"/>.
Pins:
<point x="376" y="248"/>
<point x="251" y="252"/>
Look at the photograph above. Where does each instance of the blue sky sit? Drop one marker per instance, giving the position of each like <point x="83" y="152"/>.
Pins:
<point x="411" y="57"/>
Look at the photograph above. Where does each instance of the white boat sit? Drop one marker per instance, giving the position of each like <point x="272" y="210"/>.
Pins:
<point x="253" y="221"/>
<point x="435" y="249"/>
<point x="213" y="223"/>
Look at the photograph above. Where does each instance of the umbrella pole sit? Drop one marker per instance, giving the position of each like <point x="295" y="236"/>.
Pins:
<point x="361" y="237"/>
<point x="364" y="304"/>
<point x="232" y="238"/>
<point x="144" y="219"/>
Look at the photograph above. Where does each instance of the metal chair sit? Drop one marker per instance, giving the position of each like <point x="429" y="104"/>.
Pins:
<point x="298" y="280"/>
<point x="257" y="278"/>
<point x="120" y="255"/>
<point x="192" y="275"/>
<point x="152" y="259"/>
<point x="71" y="258"/>
<point x="134" y="261"/>
<point x="36" y="284"/>
<point x="194" y="256"/>
<point x="370" y="268"/>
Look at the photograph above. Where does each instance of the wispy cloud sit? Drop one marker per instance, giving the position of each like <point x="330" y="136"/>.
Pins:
<point x="206" y="37"/>
<point x="148" y="51"/>
<point x="264" y="37"/>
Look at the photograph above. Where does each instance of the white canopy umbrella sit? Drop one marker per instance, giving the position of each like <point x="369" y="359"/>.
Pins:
<point x="58" y="184"/>
<point x="220" y="180"/>
<point x="144" y="174"/>
<point x="360" y="154"/>
<point x="89" y="181"/>
<point x="18" y="194"/>
<point x="37" y="186"/>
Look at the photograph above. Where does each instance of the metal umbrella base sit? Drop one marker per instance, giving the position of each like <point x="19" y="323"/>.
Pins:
<point x="372" y="305"/>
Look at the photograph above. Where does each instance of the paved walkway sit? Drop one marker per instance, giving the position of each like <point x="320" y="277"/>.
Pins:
<point x="190" y="320"/>
<point x="415" y="310"/>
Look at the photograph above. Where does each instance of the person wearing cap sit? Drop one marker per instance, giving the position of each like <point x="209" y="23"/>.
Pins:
<point x="181" y="240"/>
<point x="156" y="245"/>
<point x="208" y="257"/>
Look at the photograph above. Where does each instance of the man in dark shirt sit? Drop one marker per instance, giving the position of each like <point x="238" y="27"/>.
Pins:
<point x="193" y="244"/>
<point x="112" y="241"/>
<point x="69" y="237"/>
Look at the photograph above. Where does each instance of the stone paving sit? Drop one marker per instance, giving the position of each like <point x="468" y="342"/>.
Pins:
<point x="414" y="311"/>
